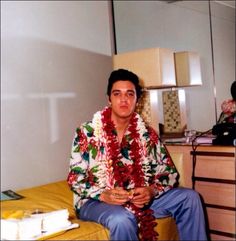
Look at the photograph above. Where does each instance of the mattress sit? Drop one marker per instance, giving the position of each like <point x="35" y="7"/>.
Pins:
<point x="56" y="196"/>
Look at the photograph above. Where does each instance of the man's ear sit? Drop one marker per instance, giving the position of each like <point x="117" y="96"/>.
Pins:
<point x="109" y="100"/>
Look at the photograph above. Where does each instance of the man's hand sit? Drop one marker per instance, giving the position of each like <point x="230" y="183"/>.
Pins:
<point x="142" y="196"/>
<point x="117" y="196"/>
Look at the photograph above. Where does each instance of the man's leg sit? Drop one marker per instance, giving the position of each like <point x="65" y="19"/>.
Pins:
<point x="120" y="222"/>
<point x="186" y="207"/>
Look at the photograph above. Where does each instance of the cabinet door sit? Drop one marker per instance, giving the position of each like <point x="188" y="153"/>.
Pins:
<point x="217" y="193"/>
<point x="215" y="167"/>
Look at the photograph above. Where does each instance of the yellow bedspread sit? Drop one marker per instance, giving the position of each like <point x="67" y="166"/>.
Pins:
<point x="56" y="196"/>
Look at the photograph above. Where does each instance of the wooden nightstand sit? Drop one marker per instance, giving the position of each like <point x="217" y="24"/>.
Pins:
<point x="210" y="170"/>
<point x="214" y="178"/>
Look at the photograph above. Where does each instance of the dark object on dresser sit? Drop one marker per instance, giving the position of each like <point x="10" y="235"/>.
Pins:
<point x="225" y="134"/>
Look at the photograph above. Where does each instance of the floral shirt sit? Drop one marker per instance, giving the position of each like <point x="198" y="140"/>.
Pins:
<point x="228" y="114"/>
<point x="140" y="156"/>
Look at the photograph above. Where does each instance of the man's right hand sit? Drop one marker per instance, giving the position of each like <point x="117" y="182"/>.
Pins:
<point x="116" y="196"/>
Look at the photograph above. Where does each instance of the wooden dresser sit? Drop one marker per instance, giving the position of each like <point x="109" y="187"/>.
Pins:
<point x="210" y="170"/>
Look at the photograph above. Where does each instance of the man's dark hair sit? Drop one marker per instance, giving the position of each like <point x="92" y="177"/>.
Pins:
<point x="233" y="90"/>
<point x="123" y="74"/>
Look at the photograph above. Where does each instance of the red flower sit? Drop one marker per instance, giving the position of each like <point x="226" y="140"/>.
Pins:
<point x="71" y="178"/>
<point x="229" y="107"/>
<point x="91" y="177"/>
<point x="153" y="136"/>
<point x="169" y="162"/>
<point x="82" y="141"/>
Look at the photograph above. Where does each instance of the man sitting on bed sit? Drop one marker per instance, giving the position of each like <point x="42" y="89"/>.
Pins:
<point x="123" y="177"/>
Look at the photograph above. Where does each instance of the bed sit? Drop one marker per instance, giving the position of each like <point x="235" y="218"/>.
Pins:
<point x="57" y="195"/>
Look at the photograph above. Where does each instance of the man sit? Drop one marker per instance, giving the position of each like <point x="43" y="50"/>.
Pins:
<point x="121" y="174"/>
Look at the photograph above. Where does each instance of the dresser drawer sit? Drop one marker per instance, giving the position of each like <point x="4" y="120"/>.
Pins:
<point x="215" y="237"/>
<point x="217" y="193"/>
<point x="221" y="220"/>
<point x="215" y="167"/>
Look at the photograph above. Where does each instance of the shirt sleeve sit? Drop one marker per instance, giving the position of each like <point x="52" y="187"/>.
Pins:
<point x="164" y="172"/>
<point x="80" y="174"/>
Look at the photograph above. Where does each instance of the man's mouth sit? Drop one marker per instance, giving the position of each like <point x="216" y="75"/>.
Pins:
<point x="123" y="106"/>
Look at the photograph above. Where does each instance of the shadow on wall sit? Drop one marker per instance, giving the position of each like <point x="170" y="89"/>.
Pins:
<point x="48" y="89"/>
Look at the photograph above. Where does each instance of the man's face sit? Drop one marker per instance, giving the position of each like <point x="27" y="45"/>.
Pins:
<point x="123" y="99"/>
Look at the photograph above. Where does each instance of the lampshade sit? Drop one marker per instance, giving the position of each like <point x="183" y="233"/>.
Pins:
<point x="155" y="67"/>
<point x="187" y="68"/>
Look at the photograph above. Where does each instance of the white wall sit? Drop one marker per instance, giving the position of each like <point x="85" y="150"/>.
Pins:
<point x="185" y="26"/>
<point x="55" y="62"/>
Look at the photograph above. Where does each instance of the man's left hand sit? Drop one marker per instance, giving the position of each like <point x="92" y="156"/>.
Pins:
<point x="142" y="196"/>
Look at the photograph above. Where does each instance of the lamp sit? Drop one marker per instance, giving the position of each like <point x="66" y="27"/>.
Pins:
<point x="187" y="68"/>
<point x="155" y="67"/>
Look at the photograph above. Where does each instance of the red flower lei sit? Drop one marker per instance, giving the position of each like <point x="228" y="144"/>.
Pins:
<point x="123" y="173"/>
<point x="229" y="107"/>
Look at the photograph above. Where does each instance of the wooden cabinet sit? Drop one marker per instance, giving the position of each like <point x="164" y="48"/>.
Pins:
<point x="210" y="170"/>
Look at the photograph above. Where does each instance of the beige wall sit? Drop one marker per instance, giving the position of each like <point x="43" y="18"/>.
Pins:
<point x="55" y="61"/>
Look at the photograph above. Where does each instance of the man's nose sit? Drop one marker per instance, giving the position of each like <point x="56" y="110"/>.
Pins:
<point x="124" y="97"/>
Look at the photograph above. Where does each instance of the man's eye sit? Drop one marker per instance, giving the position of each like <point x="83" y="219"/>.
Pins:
<point x="116" y="93"/>
<point x="131" y="94"/>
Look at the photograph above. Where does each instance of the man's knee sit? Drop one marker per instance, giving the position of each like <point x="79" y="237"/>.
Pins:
<point x="123" y="219"/>
<point x="192" y="196"/>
